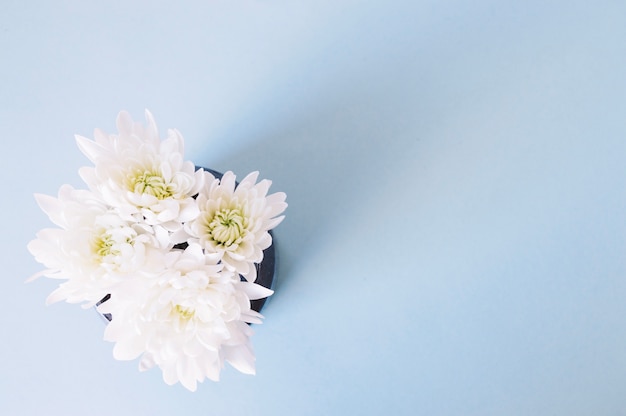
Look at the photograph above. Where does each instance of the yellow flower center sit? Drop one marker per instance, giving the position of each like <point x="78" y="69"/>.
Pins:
<point x="184" y="313"/>
<point x="103" y="245"/>
<point x="147" y="182"/>
<point x="228" y="226"/>
<point x="108" y="243"/>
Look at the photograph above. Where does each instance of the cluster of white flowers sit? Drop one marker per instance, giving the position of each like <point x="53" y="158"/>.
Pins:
<point x="168" y="243"/>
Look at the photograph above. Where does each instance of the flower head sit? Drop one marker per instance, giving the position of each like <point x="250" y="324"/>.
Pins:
<point x="142" y="176"/>
<point x="160" y="248"/>
<point x="235" y="220"/>
<point x="93" y="248"/>
<point x="187" y="321"/>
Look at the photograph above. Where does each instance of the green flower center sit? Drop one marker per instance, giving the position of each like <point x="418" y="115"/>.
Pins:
<point x="150" y="183"/>
<point x="103" y="245"/>
<point x="184" y="313"/>
<point x="228" y="226"/>
<point x="108" y="243"/>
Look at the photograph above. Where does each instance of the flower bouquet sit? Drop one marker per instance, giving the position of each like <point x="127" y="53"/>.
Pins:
<point x="166" y="251"/>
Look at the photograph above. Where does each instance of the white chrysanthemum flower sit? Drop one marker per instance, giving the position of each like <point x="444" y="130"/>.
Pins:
<point x="143" y="177"/>
<point x="92" y="250"/>
<point x="187" y="321"/>
<point x="168" y="244"/>
<point x="235" y="220"/>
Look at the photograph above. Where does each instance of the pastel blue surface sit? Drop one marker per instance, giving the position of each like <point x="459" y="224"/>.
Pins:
<point x="456" y="233"/>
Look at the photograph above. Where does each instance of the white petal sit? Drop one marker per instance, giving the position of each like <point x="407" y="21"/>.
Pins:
<point x="129" y="349"/>
<point x="91" y="149"/>
<point x="241" y="358"/>
<point x="52" y="207"/>
<point x="255" y="291"/>
<point x="124" y="123"/>
<point x="147" y="362"/>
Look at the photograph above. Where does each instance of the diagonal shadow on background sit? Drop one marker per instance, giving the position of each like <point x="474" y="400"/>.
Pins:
<point x="332" y="128"/>
<point x="328" y="158"/>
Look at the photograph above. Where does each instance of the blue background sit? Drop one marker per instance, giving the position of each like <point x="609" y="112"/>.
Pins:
<point x="455" y="237"/>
